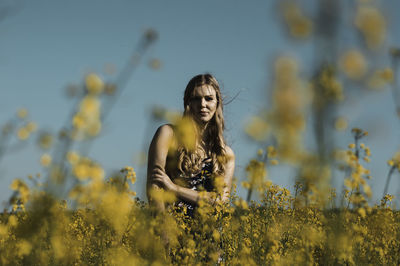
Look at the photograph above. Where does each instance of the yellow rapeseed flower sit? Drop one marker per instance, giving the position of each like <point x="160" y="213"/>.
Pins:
<point x="94" y="128"/>
<point x="380" y="78"/>
<point x="353" y="64"/>
<point x="94" y="84"/>
<point x="45" y="140"/>
<point x="78" y="121"/>
<point x="31" y="127"/>
<point x="361" y="212"/>
<point x="45" y="160"/>
<point x="90" y="107"/>
<point x="23" y="133"/>
<point x="372" y="24"/>
<point x="12" y="221"/>
<point x="23" y="247"/>
<point x="257" y="128"/>
<point x="341" y="123"/>
<point x="22" y="113"/>
<point x="274" y="162"/>
<point x="72" y="157"/>
<point x="299" y="25"/>
<point x="155" y="64"/>
<point x="96" y="172"/>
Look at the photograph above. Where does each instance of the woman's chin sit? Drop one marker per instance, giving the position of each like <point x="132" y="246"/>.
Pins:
<point x="202" y="120"/>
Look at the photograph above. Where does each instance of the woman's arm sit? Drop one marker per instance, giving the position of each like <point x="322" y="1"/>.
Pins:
<point x="157" y="157"/>
<point x="192" y="196"/>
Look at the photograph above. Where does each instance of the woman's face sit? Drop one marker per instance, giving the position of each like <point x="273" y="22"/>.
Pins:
<point x="203" y="103"/>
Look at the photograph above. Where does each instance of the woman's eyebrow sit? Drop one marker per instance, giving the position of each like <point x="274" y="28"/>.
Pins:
<point x="199" y="96"/>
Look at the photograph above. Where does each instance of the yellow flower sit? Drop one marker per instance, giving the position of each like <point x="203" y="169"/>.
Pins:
<point x="94" y="129"/>
<point x="23" y="247"/>
<point x="362" y="212"/>
<point x="341" y="123"/>
<point x="257" y="128"/>
<point x="81" y="171"/>
<point x="96" y="172"/>
<point x="155" y="64"/>
<point x="186" y="132"/>
<point x="387" y="74"/>
<point x="22" y="113"/>
<point x="274" y="162"/>
<point x="216" y="235"/>
<point x="31" y="127"/>
<point x="23" y="133"/>
<point x="353" y="64"/>
<point x="94" y="84"/>
<point x="372" y="24"/>
<point x="380" y="78"/>
<point x="45" y="160"/>
<point x="271" y="152"/>
<point x="78" y="121"/>
<point x="12" y="221"/>
<point x="90" y="107"/>
<point x="72" y="157"/>
<point x="45" y="140"/>
<point x="299" y="25"/>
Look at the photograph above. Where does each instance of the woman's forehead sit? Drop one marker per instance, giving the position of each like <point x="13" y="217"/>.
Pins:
<point x="204" y="90"/>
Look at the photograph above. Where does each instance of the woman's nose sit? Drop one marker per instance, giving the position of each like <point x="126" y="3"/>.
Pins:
<point x="203" y="102"/>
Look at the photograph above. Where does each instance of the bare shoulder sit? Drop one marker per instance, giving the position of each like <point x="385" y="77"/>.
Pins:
<point x="229" y="153"/>
<point x="165" y="131"/>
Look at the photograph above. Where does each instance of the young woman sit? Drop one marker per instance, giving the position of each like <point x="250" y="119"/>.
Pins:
<point x="187" y="167"/>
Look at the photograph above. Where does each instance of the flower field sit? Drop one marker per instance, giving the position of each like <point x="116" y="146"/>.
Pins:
<point x="75" y="213"/>
<point x="109" y="227"/>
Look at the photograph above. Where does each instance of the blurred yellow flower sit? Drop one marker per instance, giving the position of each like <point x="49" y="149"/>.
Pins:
<point x="341" y="123"/>
<point x="372" y="24"/>
<point x="274" y="162"/>
<point x="23" y="247"/>
<point x="299" y="25"/>
<point x="72" y="157"/>
<point x="23" y="133"/>
<point x="22" y="113"/>
<point x="31" y="127"/>
<point x="155" y="64"/>
<point x="257" y="128"/>
<point x="45" y="140"/>
<point x="45" y="160"/>
<point x="353" y="64"/>
<point x="380" y="78"/>
<point x="94" y="84"/>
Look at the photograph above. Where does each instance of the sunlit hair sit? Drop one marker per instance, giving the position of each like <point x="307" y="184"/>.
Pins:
<point x="189" y="161"/>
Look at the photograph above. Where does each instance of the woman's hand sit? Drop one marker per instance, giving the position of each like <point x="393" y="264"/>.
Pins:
<point x="161" y="178"/>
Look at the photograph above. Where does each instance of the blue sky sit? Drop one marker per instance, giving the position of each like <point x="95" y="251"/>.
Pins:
<point x="48" y="45"/>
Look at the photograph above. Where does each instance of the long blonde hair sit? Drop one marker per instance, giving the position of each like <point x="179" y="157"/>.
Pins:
<point x="213" y="143"/>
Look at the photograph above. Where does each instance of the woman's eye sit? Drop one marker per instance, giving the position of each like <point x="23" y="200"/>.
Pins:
<point x="209" y="99"/>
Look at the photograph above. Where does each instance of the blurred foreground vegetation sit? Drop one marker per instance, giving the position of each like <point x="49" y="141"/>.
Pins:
<point x="110" y="227"/>
<point x="76" y="214"/>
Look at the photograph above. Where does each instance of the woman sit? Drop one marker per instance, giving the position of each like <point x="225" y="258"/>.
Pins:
<point x="187" y="167"/>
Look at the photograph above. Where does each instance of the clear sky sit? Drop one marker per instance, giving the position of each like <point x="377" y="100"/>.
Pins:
<point x="47" y="45"/>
